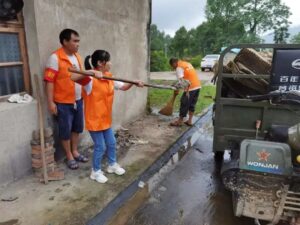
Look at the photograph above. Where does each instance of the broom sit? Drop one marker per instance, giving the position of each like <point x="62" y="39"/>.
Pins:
<point x="168" y="109"/>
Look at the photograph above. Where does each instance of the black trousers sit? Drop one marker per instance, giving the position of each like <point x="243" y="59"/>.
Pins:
<point x="188" y="102"/>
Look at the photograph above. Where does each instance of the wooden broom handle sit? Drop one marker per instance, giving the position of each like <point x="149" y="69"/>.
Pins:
<point x="87" y="73"/>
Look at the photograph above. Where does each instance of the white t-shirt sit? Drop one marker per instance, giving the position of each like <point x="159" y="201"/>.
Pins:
<point x="52" y="63"/>
<point x="179" y="72"/>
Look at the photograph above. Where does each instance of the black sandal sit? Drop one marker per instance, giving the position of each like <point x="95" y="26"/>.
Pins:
<point x="81" y="158"/>
<point x="72" y="164"/>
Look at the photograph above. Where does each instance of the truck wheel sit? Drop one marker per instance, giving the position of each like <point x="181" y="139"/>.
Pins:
<point x="202" y="69"/>
<point x="219" y="157"/>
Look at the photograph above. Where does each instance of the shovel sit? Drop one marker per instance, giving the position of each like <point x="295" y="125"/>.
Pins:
<point x="87" y="73"/>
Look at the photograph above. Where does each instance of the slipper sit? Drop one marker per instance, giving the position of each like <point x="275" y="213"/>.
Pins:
<point x="72" y="164"/>
<point x="188" y="124"/>
<point x="81" y="158"/>
<point x="176" y="124"/>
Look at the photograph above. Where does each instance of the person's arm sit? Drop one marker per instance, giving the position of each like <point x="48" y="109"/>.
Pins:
<point x="77" y="77"/>
<point x="179" y="75"/>
<point x="50" y="74"/>
<point x="84" y="80"/>
<point x="124" y="87"/>
<point x="50" y="100"/>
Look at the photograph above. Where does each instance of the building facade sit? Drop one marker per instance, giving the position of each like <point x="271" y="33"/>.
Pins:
<point x="26" y="42"/>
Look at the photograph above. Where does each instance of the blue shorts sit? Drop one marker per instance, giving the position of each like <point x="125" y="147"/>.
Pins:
<point x="70" y="119"/>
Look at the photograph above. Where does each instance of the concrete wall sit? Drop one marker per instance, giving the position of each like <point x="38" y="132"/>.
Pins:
<point x="17" y="123"/>
<point x="117" y="26"/>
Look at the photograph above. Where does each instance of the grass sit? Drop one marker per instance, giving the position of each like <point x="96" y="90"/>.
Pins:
<point x="159" y="97"/>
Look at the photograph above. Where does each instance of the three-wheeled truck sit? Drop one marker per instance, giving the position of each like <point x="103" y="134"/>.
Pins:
<point x="262" y="133"/>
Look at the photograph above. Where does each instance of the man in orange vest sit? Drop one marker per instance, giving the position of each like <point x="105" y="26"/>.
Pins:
<point x="189" y="98"/>
<point x="64" y="95"/>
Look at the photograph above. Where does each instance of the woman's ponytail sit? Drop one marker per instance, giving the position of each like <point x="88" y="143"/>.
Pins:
<point x="87" y="64"/>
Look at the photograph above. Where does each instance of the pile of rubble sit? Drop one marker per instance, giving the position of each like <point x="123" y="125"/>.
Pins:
<point x="125" y="140"/>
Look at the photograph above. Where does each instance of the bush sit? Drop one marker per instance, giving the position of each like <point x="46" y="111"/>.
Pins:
<point x="158" y="62"/>
<point x="195" y="61"/>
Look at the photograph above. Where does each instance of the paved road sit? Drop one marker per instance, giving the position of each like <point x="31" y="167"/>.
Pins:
<point x="205" y="77"/>
<point x="191" y="194"/>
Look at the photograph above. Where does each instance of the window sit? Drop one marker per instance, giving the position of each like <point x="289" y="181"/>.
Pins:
<point x="14" y="69"/>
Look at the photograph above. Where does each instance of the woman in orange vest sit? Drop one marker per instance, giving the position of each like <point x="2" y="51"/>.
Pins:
<point x="98" y="100"/>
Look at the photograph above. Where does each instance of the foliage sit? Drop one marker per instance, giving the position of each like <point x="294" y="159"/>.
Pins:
<point x="158" y="61"/>
<point x="296" y="39"/>
<point x="195" y="61"/>
<point x="180" y="42"/>
<point x="228" y="22"/>
<point x="281" y="35"/>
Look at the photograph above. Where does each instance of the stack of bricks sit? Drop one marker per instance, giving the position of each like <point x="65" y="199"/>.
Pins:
<point x="54" y="173"/>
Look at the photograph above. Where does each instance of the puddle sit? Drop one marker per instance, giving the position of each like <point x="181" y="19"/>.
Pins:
<point x="188" y="189"/>
<point x="152" y="177"/>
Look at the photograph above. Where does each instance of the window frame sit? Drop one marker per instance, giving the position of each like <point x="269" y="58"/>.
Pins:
<point x="17" y="27"/>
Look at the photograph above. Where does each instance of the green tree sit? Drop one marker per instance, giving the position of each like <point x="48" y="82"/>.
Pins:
<point x="296" y="39"/>
<point x="281" y="35"/>
<point x="157" y="38"/>
<point x="257" y="16"/>
<point x="263" y="15"/>
<point x="158" y="61"/>
<point x="180" y="42"/>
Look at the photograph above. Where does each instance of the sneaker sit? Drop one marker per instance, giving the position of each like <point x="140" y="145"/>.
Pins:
<point x="98" y="176"/>
<point x="116" y="168"/>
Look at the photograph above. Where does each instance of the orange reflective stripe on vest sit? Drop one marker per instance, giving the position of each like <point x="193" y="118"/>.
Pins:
<point x="98" y="105"/>
<point x="190" y="74"/>
<point x="64" y="87"/>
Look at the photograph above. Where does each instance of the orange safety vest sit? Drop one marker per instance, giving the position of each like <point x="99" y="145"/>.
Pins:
<point x="98" y="104"/>
<point x="64" y="87"/>
<point x="190" y="74"/>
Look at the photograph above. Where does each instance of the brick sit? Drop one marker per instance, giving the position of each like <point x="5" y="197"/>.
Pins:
<point x="38" y="154"/>
<point x="37" y="163"/>
<point x="58" y="174"/>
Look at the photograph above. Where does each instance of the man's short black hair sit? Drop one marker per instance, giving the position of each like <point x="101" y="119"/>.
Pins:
<point x="66" y="35"/>
<point x="172" y="61"/>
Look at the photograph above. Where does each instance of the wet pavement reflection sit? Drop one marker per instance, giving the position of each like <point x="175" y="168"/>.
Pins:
<point x="191" y="194"/>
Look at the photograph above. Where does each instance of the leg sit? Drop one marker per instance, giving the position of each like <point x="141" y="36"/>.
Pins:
<point x="194" y="95"/>
<point x="110" y="142"/>
<point x="183" y="110"/>
<point x="190" y="120"/>
<point x="64" y="126"/>
<point x="77" y="128"/>
<point x="98" y="140"/>
<point x="74" y="144"/>
<point x="184" y="105"/>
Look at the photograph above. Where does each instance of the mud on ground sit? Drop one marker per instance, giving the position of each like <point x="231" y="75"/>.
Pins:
<point x="77" y="199"/>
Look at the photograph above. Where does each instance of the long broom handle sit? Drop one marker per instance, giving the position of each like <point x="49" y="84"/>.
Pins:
<point x="87" y="73"/>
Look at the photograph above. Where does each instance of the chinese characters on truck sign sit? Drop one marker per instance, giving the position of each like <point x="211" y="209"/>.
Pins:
<point x="285" y="74"/>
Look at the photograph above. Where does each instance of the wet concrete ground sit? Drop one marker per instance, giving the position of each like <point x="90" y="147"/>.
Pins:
<point x="191" y="194"/>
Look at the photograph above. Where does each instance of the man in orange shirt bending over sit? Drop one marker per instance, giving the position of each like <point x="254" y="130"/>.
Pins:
<point x="189" y="98"/>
